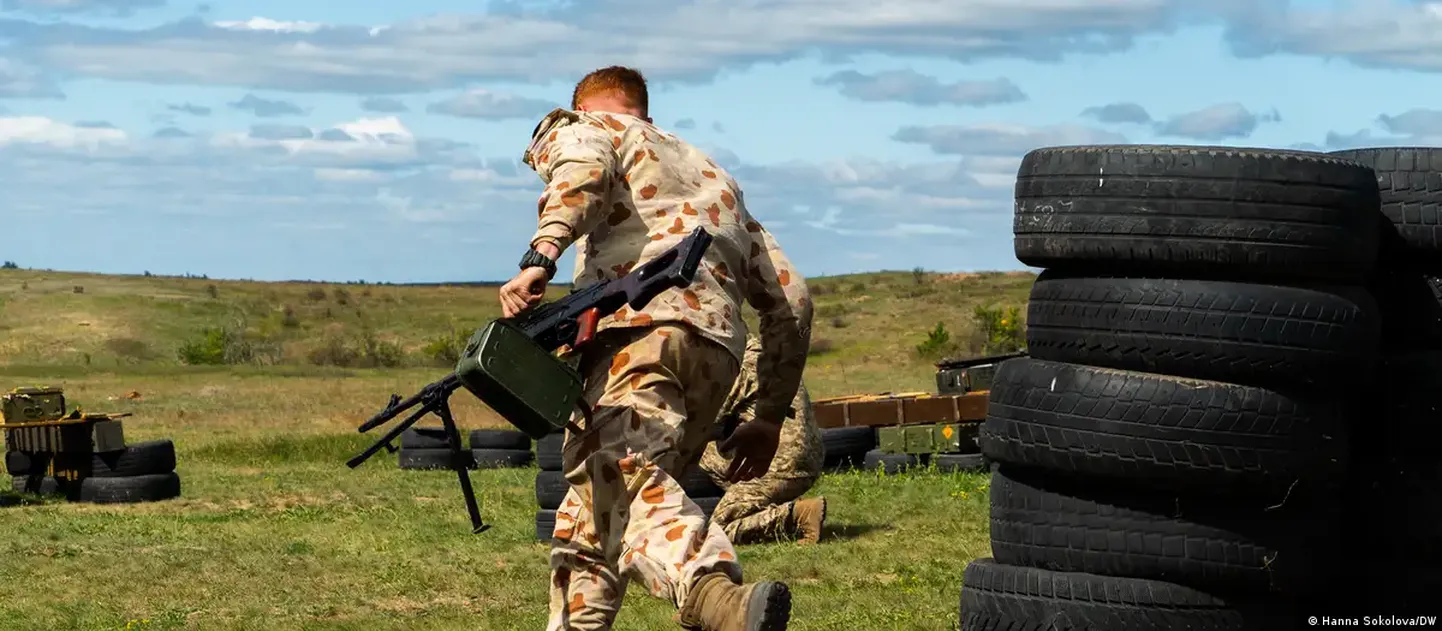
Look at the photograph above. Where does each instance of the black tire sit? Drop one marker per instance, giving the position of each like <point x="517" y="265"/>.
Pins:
<point x="1411" y="310"/>
<point x="501" y="458"/>
<point x="151" y="457"/>
<point x="548" y="451"/>
<point x="1141" y="429"/>
<point x="499" y="439"/>
<point x="1409" y="183"/>
<point x="951" y="463"/>
<point x="143" y="458"/>
<point x="551" y="487"/>
<point x="18" y="463"/>
<point x="996" y="597"/>
<point x="1220" y="545"/>
<point x="1407" y="401"/>
<point x="424" y="438"/>
<point x="1188" y="210"/>
<point x="1252" y="334"/>
<point x="844" y="446"/>
<point x="130" y="490"/>
<point x="545" y="524"/>
<point x="432" y="459"/>
<point x="892" y="464"/>
<point x="44" y="485"/>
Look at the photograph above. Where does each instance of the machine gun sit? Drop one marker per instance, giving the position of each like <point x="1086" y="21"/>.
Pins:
<point x="510" y="364"/>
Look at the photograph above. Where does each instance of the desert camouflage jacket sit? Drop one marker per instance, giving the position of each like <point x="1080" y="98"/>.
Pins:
<point x="799" y="453"/>
<point x="624" y="191"/>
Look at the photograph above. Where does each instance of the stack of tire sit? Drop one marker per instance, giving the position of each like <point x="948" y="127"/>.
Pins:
<point x="424" y="449"/>
<point x="142" y="472"/>
<point x="1174" y="452"/>
<point x="1397" y="474"/>
<point x="551" y="485"/>
<point x="848" y="448"/>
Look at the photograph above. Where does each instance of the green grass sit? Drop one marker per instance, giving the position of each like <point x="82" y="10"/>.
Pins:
<point x="273" y="532"/>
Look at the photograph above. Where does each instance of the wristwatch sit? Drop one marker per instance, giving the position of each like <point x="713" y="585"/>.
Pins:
<point x="536" y="259"/>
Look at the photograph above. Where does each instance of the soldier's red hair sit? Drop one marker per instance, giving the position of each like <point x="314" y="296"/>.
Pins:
<point x="627" y="81"/>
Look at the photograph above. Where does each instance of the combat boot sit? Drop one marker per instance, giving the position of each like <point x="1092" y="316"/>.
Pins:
<point x="809" y="515"/>
<point x="717" y="604"/>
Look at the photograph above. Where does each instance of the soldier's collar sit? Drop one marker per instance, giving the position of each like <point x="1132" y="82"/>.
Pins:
<point x="557" y="118"/>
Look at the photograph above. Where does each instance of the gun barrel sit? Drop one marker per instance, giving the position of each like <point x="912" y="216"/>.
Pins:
<point x="447" y="384"/>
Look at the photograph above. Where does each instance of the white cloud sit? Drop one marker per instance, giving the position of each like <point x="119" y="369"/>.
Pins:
<point x="1378" y="33"/>
<point x="267" y="24"/>
<point x="674" y="40"/>
<point x="38" y="130"/>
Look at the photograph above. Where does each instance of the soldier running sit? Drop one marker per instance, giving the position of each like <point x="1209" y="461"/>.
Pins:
<point x="624" y="190"/>
<point x="767" y="508"/>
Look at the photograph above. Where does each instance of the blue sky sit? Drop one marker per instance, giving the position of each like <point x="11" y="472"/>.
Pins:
<point x="380" y="140"/>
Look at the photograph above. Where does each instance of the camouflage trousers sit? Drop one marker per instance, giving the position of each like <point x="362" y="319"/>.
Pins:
<point x="655" y="394"/>
<point x="756" y="510"/>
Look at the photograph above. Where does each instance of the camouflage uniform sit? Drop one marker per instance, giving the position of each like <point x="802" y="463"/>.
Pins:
<point x="625" y="191"/>
<point x="763" y="508"/>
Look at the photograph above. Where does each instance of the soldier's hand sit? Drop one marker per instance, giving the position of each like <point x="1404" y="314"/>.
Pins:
<point x="523" y="291"/>
<point x="752" y="446"/>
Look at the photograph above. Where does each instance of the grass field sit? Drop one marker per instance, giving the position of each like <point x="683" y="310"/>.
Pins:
<point x="274" y="532"/>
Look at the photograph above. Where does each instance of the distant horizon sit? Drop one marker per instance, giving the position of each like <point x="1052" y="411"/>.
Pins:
<point x="475" y="283"/>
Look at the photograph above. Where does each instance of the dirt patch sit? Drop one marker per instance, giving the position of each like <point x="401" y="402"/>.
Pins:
<point x="955" y="277"/>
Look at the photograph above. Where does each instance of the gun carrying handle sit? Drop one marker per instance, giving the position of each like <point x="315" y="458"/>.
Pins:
<point x="586" y="326"/>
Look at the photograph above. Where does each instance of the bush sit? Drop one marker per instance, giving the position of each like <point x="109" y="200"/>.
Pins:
<point x="288" y="318"/>
<point x="9" y="265"/>
<point x="212" y="291"/>
<point x="937" y="344"/>
<point x="216" y="346"/>
<point x="315" y="295"/>
<point x="227" y="346"/>
<point x="1000" y="330"/>
<point x="363" y="351"/>
<point x="445" y="350"/>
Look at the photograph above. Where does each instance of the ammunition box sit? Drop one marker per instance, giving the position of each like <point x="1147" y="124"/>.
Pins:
<point x="30" y="405"/>
<point x="525" y="384"/>
<point x="966" y="434"/>
<point x="919" y="439"/>
<point x="891" y="440"/>
<point x="946" y="438"/>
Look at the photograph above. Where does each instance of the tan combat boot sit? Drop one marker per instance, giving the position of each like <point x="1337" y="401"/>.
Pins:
<point x="717" y="604"/>
<point x="809" y="515"/>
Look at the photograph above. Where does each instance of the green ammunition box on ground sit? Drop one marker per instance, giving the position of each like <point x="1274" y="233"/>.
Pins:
<point x="526" y="385"/>
<point x="891" y="440"/>
<point x="30" y="405"/>
<point x="946" y="438"/>
<point x="919" y="439"/>
<point x="937" y="438"/>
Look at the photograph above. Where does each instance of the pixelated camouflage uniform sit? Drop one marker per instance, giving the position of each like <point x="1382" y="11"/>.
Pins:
<point x="762" y="508"/>
<point x="625" y="191"/>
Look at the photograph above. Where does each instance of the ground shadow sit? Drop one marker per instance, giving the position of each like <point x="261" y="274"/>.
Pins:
<point x="850" y="531"/>
<point x="11" y="498"/>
